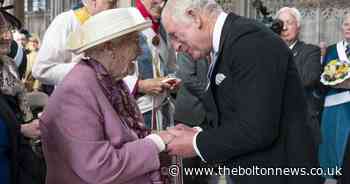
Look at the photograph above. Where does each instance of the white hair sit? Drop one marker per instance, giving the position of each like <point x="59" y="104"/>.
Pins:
<point x="293" y="11"/>
<point x="177" y="8"/>
<point x="346" y="16"/>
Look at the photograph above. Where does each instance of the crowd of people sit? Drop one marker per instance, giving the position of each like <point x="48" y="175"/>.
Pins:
<point x="132" y="90"/>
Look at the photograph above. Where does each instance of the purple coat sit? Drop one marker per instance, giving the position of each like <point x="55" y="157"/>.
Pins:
<point x="84" y="140"/>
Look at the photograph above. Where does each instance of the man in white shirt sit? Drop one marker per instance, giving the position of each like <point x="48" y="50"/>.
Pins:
<point x="54" y="60"/>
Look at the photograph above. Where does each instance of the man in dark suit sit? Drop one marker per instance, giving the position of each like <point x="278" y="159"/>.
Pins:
<point x="307" y="60"/>
<point x="257" y="111"/>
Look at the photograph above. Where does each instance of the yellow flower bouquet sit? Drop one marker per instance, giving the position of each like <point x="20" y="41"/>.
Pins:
<point x="335" y="72"/>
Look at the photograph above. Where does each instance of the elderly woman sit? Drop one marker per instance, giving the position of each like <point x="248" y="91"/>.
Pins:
<point x="335" y="124"/>
<point x="92" y="130"/>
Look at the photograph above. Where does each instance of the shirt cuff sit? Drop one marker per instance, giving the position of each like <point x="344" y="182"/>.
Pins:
<point x="199" y="129"/>
<point x="158" y="141"/>
<point x="194" y="143"/>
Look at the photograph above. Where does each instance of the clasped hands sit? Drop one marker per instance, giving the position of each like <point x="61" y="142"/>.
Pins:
<point x="31" y="130"/>
<point x="179" y="140"/>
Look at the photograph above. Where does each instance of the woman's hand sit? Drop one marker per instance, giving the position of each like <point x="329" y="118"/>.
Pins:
<point x="153" y="86"/>
<point x="31" y="130"/>
<point x="173" y="82"/>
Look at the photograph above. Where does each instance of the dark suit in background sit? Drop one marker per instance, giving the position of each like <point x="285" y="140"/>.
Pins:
<point x="307" y="59"/>
<point x="258" y="112"/>
<point x="189" y="108"/>
<point x="193" y="74"/>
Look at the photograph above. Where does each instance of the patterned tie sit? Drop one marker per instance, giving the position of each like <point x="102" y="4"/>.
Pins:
<point x="347" y="51"/>
<point x="214" y="57"/>
<point x="212" y="60"/>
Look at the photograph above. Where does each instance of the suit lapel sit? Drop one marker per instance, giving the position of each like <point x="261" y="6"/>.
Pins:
<point x="296" y="48"/>
<point x="223" y="39"/>
<point x="296" y="52"/>
<point x="210" y="102"/>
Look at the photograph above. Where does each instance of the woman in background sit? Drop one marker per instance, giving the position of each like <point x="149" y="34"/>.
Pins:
<point x="335" y="123"/>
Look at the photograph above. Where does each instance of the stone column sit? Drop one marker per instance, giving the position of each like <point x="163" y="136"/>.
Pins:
<point x="19" y="9"/>
<point x="59" y="6"/>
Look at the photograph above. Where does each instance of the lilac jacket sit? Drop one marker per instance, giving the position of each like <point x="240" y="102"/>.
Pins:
<point x="84" y="141"/>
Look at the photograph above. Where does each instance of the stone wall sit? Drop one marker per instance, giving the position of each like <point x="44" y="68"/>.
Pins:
<point x="321" y="19"/>
<point x="37" y="22"/>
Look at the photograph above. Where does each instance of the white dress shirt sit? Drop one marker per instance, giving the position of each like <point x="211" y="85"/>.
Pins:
<point x="292" y="46"/>
<point x="54" y="61"/>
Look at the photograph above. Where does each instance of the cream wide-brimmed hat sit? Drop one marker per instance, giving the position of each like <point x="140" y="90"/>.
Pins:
<point x="105" y="26"/>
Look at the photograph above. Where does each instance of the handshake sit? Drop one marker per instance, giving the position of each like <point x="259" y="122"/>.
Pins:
<point x="178" y="140"/>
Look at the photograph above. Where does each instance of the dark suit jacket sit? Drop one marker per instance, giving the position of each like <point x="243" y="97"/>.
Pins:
<point x="258" y="112"/>
<point x="188" y="106"/>
<point x="307" y="59"/>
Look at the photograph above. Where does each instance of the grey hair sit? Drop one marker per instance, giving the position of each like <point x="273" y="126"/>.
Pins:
<point x="177" y="8"/>
<point x="293" y="11"/>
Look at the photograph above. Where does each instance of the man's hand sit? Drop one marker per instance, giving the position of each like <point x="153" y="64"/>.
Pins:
<point x="182" y="145"/>
<point x="153" y="86"/>
<point x="343" y="85"/>
<point x="31" y="130"/>
<point x="181" y="126"/>
<point x="166" y="137"/>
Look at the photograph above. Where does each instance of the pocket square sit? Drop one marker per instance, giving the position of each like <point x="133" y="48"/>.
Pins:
<point x="295" y="53"/>
<point x="219" y="78"/>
